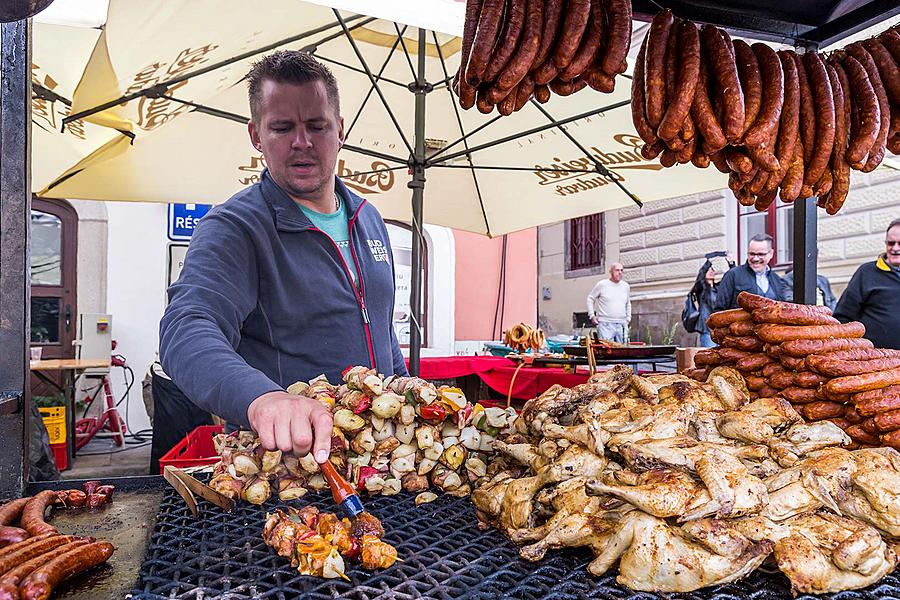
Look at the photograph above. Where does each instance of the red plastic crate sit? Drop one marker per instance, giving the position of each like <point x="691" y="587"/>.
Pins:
<point x="196" y="449"/>
<point x="60" y="456"/>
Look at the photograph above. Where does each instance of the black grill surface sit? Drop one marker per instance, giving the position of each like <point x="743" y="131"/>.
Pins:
<point x="445" y="555"/>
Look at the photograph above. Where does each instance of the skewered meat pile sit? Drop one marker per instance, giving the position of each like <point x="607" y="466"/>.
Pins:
<point x="515" y="49"/>
<point x="687" y="484"/>
<point x="317" y="542"/>
<point x="35" y="557"/>
<point x="777" y="123"/>
<point x="521" y="337"/>
<point x="826" y="369"/>
<point x="389" y="434"/>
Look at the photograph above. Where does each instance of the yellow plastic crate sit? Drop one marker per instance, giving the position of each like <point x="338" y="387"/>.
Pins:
<point x="54" y="418"/>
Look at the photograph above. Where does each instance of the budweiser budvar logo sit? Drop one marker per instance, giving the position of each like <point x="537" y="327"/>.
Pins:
<point x="153" y="112"/>
<point x="567" y="183"/>
<point x="364" y="182"/>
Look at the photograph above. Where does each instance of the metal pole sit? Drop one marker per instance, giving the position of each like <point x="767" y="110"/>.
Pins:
<point x="417" y="184"/>
<point x="15" y="217"/>
<point x="805" y="233"/>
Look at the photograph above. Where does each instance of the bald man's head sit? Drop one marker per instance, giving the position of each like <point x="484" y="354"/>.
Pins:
<point x="616" y="271"/>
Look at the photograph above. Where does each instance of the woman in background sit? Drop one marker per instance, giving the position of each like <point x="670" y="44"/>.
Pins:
<point x="704" y="293"/>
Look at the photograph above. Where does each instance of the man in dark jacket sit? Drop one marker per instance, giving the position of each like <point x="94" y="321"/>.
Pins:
<point x="754" y="276"/>
<point x="873" y="294"/>
<point x="291" y="278"/>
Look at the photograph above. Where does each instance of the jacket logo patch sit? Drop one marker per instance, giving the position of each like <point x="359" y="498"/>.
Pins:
<point x="379" y="251"/>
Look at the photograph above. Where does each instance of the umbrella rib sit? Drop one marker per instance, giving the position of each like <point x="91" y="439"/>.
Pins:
<point x="406" y="51"/>
<point x="129" y="97"/>
<point x="358" y="70"/>
<point x="487" y="225"/>
<point x="511" y="168"/>
<point x="374" y="83"/>
<point x="532" y="131"/>
<point x="464" y="138"/>
<point x="376" y="154"/>
<point x="372" y="88"/>
<point x="600" y="167"/>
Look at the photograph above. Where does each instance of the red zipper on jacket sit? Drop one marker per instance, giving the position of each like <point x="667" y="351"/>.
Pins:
<point x="360" y="293"/>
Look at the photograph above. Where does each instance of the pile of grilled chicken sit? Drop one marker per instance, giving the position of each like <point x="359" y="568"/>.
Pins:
<point x="687" y="484"/>
<point x="317" y="542"/>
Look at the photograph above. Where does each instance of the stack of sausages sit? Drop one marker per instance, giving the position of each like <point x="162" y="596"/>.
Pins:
<point x="35" y="557"/>
<point x="778" y="123"/>
<point x="826" y="369"/>
<point x="515" y="49"/>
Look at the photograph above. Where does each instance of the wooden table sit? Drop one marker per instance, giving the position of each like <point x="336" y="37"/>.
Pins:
<point x="69" y="367"/>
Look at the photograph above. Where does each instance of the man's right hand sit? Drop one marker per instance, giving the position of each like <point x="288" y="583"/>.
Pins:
<point x="292" y="424"/>
<point x="595" y="319"/>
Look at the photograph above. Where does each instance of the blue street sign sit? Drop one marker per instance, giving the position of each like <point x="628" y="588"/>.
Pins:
<point x="183" y="218"/>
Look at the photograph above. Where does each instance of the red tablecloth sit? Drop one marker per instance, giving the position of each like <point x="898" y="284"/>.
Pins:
<point x="497" y="372"/>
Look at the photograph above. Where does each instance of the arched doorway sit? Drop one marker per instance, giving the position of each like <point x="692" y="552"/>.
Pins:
<point x="54" y="243"/>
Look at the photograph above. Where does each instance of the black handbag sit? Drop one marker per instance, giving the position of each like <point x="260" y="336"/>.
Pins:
<point x="690" y="314"/>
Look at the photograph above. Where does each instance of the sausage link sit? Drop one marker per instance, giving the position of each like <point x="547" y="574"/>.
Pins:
<point x="746" y="343"/>
<point x="755" y="382"/>
<point x="774" y="334"/>
<point x="12" y="511"/>
<point x="792" y="184"/>
<point x="40" y="583"/>
<point x="772" y="368"/>
<point x="700" y="159"/>
<point x="807" y="109"/>
<point x="546" y="72"/>
<point x="618" y="36"/>
<point x="888" y="421"/>
<point x="865" y="382"/>
<point x="697" y="374"/>
<point x="865" y="128"/>
<point x="465" y="91"/>
<point x="840" y="188"/>
<point x="33" y="513"/>
<point x="718" y="333"/>
<point x="728" y="85"/>
<point x="885" y="401"/>
<point x="858" y="434"/>
<point x="876" y="153"/>
<point x="523" y="57"/>
<point x="576" y="19"/>
<point x="754" y="362"/>
<point x="820" y="410"/>
<point x="741" y="328"/>
<point x="541" y="93"/>
<point x="842" y="367"/>
<point x="751" y="81"/>
<point x="789" y="124"/>
<point x="852" y="415"/>
<point x="485" y="39"/>
<point x="751" y="302"/>
<point x="549" y="30"/>
<point x="891" y="439"/>
<point x="513" y="24"/>
<point x="799" y="395"/>
<point x="891" y="40"/>
<point x="654" y="67"/>
<point x="10" y="561"/>
<point x="781" y="380"/>
<point x="820" y="86"/>
<point x="759" y="136"/>
<point x="566" y="88"/>
<point x="505" y="107"/>
<point x="724" y="318"/>
<point x="797" y="314"/>
<point x="589" y="46"/>
<point x="808" y="379"/>
<point x="524" y="92"/>
<point x="600" y="81"/>
<point x="638" y="102"/>
<point x="793" y="363"/>
<point x="709" y="356"/>
<point x="704" y="117"/>
<point x="887" y="68"/>
<point x="732" y="354"/>
<point x="804" y="347"/>
<point x="9" y="582"/>
<point x="688" y="75"/>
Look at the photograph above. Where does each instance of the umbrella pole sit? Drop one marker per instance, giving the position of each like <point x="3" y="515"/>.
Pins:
<point x="418" y="188"/>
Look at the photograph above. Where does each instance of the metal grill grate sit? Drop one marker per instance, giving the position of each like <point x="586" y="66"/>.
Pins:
<point x="445" y="556"/>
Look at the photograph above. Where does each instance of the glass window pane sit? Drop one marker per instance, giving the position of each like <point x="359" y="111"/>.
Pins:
<point x="44" y="320"/>
<point x="784" y="217"/>
<point x="46" y="249"/>
<point x="751" y="224"/>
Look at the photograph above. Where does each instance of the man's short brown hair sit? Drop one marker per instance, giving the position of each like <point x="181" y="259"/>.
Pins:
<point x="894" y="223"/>
<point x="290" y="66"/>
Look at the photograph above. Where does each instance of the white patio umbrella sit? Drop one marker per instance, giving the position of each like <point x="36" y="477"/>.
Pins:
<point x="170" y="72"/>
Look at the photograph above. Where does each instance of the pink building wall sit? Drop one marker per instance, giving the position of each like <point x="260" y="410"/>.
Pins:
<point x="478" y="277"/>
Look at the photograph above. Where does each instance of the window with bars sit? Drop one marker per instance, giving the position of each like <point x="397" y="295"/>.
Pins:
<point x="585" y="242"/>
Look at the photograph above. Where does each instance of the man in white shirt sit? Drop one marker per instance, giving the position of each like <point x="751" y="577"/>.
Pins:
<point x="609" y="306"/>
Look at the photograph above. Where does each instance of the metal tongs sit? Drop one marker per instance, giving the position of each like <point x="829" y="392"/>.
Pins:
<point x="186" y="486"/>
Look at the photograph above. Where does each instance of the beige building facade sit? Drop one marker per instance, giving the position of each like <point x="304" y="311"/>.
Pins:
<point x="663" y="244"/>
